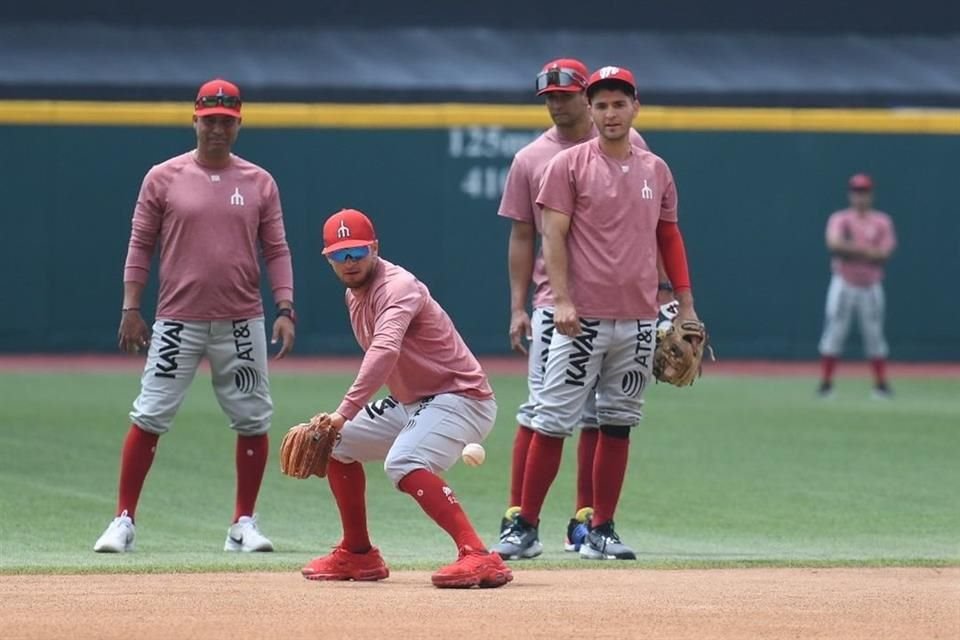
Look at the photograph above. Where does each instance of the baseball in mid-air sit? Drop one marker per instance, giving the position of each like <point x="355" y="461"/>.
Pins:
<point x="473" y="455"/>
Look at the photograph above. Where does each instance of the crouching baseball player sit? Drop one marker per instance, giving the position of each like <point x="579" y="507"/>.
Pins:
<point x="440" y="400"/>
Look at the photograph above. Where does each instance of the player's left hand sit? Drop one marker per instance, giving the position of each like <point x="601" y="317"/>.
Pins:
<point x="283" y="330"/>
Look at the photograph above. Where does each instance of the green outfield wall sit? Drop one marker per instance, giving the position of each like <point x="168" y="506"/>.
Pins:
<point x="756" y="187"/>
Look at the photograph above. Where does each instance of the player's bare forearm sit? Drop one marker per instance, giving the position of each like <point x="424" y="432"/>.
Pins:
<point x="132" y="294"/>
<point x="556" y="226"/>
<point x="661" y="269"/>
<point x="520" y="256"/>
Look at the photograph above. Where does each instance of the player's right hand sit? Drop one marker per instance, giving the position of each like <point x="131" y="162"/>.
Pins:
<point x="519" y="330"/>
<point x="565" y="319"/>
<point x="133" y="334"/>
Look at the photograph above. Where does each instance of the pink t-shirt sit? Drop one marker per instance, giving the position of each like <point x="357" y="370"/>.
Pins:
<point x="410" y="342"/>
<point x="615" y="207"/>
<point x="208" y="223"/>
<point x="872" y="230"/>
<point x="522" y="186"/>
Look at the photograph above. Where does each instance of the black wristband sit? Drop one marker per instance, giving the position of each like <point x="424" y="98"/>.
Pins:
<point x="287" y="312"/>
<point x="664" y="286"/>
<point x="125" y="309"/>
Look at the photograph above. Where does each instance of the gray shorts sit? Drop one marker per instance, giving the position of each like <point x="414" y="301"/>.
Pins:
<point x="237" y="352"/>
<point x="541" y="333"/>
<point x="614" y="357"/>
<point x="429" y="434"/>
<point x="843" y="301"/>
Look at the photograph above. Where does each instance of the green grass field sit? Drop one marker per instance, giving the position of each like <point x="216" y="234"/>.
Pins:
<point x="733" y="472"/>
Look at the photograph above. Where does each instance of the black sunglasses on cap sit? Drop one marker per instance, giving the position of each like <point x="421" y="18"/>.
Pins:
<point x="207" y="102"/>
<point x="560" y="78"/>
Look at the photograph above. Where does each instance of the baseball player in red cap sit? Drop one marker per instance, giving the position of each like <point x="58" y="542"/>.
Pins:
<point x="209" y="210"/>
<point x="860" y="239"/>
<point x="608" y="208"/>
<point x="563" y="84"/>
<point x="440" y="401"/>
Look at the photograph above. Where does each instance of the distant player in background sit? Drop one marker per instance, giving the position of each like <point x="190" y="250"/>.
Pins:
<point x="860" y="239"/>
<point x="563" y="84"/>
<point x="214" y="215"/>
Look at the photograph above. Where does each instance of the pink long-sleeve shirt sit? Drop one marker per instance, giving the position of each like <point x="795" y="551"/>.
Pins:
<point x="410" y="342"/>
<point x="209" y="223"/>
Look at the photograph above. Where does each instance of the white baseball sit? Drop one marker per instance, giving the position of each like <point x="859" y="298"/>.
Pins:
<point x="473" y="455"/>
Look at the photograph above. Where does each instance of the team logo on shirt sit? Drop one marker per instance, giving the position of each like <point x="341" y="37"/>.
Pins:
<point x="236" y="199"/>
<point x="343" y="231"/>
<point x="646" y="193"/>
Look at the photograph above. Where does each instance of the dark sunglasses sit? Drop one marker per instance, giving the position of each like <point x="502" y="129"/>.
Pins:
<point x="560" y="78"/>
<point x="353" y="253"/>
<point x="208" y="102"/>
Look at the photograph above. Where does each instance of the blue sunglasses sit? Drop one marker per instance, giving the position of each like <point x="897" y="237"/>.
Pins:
<point x="353" y="253"/>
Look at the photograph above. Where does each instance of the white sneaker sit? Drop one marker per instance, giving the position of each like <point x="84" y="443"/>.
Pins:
<point x="246" y="536"/>
<point x="118" y="538"/>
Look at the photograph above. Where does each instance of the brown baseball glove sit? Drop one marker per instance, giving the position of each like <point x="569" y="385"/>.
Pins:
<point x="306" y="448"/>
<point x="679" y="352"/>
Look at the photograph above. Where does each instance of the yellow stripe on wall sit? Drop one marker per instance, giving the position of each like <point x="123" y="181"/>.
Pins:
<point x="439" y="116"/>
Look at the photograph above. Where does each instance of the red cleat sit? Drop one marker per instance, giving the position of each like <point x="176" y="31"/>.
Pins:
<point x="473" y="568"/>
<point x="344" y="565"/>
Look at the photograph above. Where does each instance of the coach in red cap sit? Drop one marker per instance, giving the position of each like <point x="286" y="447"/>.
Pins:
<point x="212" y="216"/>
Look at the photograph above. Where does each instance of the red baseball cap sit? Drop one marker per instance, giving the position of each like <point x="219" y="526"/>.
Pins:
<point x="612" y="73"/>
<point x="346" y="229"/>
<point x="218" y="96"/>
<point x="860" y="182"/>
<point x="562" y="74"/>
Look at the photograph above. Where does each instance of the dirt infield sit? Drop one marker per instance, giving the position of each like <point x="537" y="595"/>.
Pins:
<point x="735" y="603"/>
<point x="506" y="365"/>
